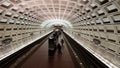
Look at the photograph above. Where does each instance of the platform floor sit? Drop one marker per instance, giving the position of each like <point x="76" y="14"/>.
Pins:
<point x="40" y="59"/>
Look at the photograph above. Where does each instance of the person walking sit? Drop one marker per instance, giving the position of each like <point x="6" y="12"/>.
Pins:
<point x="62" y="42"/>
<point x="59" y="49"/>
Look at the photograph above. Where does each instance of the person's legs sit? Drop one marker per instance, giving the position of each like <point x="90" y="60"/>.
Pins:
<point x="59" y="52"/>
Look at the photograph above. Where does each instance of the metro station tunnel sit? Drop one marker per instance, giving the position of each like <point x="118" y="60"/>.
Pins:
<point x="59" y="33"/>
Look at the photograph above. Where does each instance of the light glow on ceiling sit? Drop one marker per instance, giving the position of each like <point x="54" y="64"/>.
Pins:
<point x="50" y="23"/>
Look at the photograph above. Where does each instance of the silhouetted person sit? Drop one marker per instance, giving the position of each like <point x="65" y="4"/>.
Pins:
<point x="59" y="49"/>
<point x="62" y="42"/>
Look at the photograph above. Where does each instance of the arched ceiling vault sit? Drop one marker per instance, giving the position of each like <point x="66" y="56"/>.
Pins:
<point x="43" y="10"/>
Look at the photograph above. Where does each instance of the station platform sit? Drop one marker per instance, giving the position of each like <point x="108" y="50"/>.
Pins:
<point x="41" y="59"/>
<point x="36" y="55"/>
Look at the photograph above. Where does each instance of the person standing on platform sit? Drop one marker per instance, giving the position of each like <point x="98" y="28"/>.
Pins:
<point x="59" y="49"/>
<point x="62" y="42"/>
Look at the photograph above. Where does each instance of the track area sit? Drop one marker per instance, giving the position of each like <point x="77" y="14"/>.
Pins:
<point x="87" y="59"/>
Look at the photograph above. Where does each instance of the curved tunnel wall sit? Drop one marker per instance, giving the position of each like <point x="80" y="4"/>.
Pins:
<point x="102" y="23"/>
